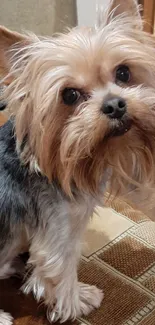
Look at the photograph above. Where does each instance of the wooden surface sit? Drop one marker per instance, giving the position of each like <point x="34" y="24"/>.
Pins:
<point x="148" y="14"/>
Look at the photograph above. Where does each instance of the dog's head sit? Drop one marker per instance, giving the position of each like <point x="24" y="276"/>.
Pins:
<point x="84" y="101"/>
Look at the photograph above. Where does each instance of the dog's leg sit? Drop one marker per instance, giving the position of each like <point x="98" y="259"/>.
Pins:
<point x="54" y="256"/>
<point x="5" y="318"/>
<point x="56" y="281"/>
<point x="73" y="298"/>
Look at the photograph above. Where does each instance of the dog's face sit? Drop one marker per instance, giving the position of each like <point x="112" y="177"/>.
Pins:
<point x="84" y="101"/>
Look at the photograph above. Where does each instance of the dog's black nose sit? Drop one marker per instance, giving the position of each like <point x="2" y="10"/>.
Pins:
<point x="114" y="107"/>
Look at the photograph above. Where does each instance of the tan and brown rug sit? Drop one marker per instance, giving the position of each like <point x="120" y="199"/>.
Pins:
<point x="119" y="257"/>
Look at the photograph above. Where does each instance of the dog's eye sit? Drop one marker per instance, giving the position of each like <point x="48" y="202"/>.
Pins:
<point x="70" y="96"/>
<point x="123" y="74"/>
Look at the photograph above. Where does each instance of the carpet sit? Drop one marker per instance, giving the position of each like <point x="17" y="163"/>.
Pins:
<point x="118" y="257"/>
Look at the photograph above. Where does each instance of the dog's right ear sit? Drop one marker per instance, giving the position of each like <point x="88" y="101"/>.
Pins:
<point x="7" y="40"/>
<point x="113" y="8"/>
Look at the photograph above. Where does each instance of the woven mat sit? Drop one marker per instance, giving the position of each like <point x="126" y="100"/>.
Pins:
<point x="119" y="257"/>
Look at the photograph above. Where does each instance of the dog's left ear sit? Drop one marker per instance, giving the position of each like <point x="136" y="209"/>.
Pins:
<point x="114" y="8"/>
<point x="7" y="40"/>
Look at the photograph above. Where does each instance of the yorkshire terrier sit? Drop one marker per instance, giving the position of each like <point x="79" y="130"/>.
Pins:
<point x="82" y="115"/>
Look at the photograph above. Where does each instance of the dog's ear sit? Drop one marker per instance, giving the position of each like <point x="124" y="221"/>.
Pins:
<point x="121" y="6"/>
<point x="7" y="40"/>
<point x="113" y="8"/>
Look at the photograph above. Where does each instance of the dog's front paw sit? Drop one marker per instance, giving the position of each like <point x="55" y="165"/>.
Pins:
<point x="5" y="318"/>
<point x="90" y="298"/>
<point x="84" y="299"/>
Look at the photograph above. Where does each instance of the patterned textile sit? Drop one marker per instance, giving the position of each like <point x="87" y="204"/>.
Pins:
<point x="119" y="257"/>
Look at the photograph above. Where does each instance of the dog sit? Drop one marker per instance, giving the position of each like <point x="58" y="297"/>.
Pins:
<point x="82" y="115"/>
